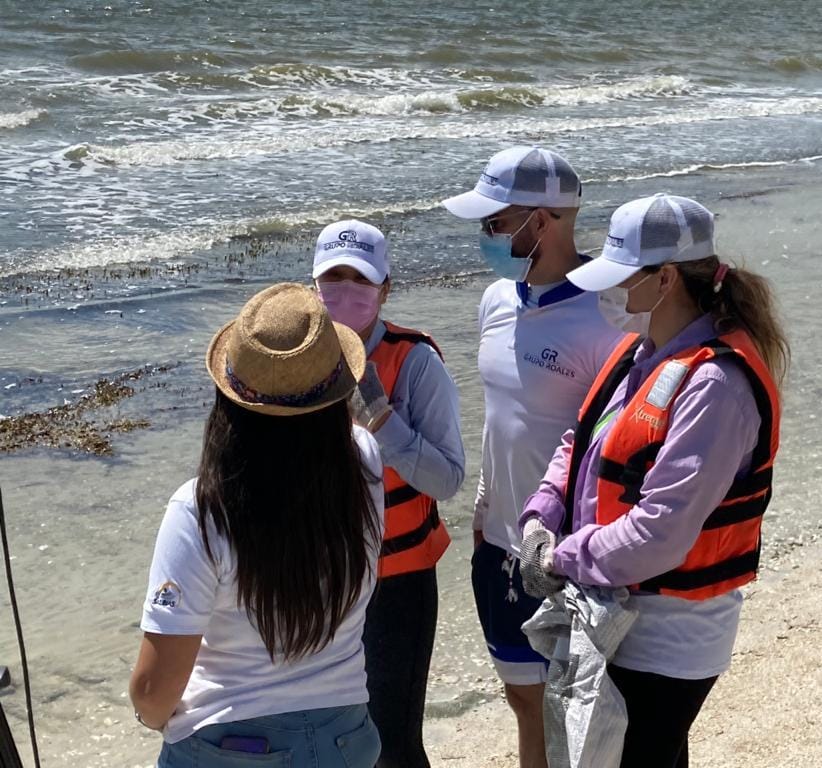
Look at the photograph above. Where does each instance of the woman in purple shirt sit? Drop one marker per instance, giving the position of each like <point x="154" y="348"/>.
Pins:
<point x="662" y="485"/>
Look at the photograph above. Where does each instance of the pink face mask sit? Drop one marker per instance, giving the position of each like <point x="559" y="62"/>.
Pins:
<point x="352" y="304"/>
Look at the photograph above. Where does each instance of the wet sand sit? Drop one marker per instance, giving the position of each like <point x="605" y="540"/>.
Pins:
<point x="766" y="712"/>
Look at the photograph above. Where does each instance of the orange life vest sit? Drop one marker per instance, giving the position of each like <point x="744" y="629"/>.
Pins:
<point x="415" y="538"/>
<point x="726" y="553"/>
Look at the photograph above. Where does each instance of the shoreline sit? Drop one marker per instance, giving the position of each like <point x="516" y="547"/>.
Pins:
<point x="268" y="255"/>
<point x="762" y="713"/>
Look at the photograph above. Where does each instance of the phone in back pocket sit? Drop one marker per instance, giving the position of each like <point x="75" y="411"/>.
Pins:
<point x="255" y="744"/>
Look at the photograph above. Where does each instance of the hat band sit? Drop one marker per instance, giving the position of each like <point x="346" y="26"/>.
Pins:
<point x="309" y="397"/>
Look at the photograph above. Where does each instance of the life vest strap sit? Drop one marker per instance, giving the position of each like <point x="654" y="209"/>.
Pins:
<point x="725" y="570"/>
<point x="753" y="484"/>
<point x="737" y="512"/>
<point x="411" y="539"/>
<point x="400" y="496"/>
<point x="630" y="475"/>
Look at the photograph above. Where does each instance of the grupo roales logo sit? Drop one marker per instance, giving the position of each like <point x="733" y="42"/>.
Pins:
<point x="348" y="239"/>
<point x="548" y="360"/>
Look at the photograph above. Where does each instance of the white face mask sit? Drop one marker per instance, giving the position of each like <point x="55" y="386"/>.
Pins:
<point x="613" y="304"/>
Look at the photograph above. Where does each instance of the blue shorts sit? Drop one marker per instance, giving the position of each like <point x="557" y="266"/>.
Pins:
<point x="503" y="607"/>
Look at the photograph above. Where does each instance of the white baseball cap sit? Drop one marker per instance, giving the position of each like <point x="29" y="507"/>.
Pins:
<point x="354" y="244"/>
<point x="527" y="176"/>
<point x="652" y="230"/>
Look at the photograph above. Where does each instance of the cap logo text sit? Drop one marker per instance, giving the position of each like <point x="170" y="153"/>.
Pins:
<point x="490" y="180"/>
<point x="348" y="239"/>
<point x="617" y="242"/>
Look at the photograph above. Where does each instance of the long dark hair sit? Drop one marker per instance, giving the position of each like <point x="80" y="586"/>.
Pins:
<point x="290" y="494"/>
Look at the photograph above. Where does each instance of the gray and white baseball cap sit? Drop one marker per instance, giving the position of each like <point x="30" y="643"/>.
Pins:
<point x="652" y="230"/>
<point x="352" y="243"/>
<point x="527" y="176"/>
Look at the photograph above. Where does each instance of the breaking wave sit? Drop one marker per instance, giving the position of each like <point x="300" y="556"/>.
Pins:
<point x="9" y="120"/>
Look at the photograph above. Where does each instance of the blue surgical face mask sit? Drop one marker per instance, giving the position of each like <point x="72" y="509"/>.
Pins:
<point x="496" y="249"/>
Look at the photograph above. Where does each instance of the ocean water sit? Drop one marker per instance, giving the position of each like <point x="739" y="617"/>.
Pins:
<point x="160" y="162"/>
<point x="141" y="133"/>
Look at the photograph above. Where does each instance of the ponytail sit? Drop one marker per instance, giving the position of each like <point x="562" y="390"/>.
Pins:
<point x="742" y="300"/>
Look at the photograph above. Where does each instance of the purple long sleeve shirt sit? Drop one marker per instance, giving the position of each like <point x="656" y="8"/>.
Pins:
<point x="713" y="429"/>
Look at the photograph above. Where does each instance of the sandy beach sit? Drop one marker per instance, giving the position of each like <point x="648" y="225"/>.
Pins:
<point x="764" y="713"/>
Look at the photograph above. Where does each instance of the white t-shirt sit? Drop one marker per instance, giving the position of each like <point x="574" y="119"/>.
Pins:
<point x="234" y="677"/>
<point x="537" y="365"/>
<point x="686" y="639"/>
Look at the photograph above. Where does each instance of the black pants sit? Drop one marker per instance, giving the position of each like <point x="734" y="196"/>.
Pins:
<point x="660" y="713"/>
<point x="399" y="637"/>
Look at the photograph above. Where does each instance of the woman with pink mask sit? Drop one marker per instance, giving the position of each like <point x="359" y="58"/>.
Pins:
<point x="409" y="403"/>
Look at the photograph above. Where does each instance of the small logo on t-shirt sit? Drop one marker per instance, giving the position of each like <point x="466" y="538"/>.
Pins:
<point x="168" y="595"/>
<point x="548" y="360"/>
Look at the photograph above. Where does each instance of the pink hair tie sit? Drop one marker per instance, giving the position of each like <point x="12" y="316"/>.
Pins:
<point x="719" y="276"/>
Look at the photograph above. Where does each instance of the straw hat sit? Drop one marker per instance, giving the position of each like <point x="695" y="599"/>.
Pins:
<point x="284" y="356"/>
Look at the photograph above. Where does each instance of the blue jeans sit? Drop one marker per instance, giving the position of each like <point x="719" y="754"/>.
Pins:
<point x="337" y="737"/>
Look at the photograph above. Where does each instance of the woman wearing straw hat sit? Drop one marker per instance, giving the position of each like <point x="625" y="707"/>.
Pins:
<point x="264" y="564"/>
<point x="663" y="484"/>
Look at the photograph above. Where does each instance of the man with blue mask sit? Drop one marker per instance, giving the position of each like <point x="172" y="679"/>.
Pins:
<point x="542" y="343"/>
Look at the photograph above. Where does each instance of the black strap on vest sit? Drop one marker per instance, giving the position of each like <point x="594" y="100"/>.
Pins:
<point x="752" y="484"/>
<point x="737" y="512"/>
<point x="413" y="538"/>
<point x="683" y="581"/>
<point x="400" y="496"/>
<point x="585" y="428"/>
<point x="631" y="474"/>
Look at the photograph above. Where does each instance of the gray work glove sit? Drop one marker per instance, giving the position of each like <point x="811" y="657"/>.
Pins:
<point x="369" y="402"/>
<point x="537" y="560"/>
